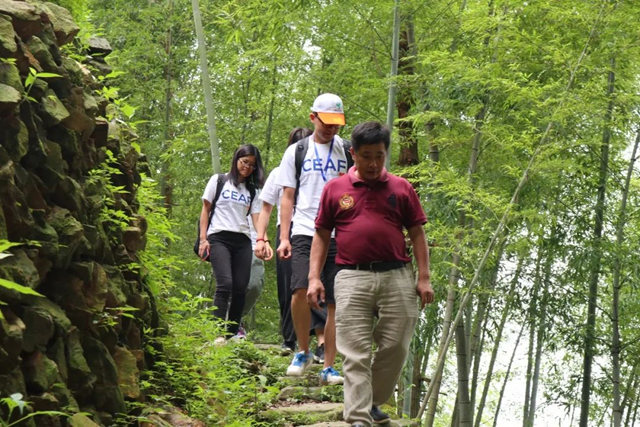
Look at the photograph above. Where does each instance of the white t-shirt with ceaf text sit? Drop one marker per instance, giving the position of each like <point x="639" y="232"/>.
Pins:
<point x="231" y="209"/>
<point x="272" y="192"/>
<point x="322" y="163"/>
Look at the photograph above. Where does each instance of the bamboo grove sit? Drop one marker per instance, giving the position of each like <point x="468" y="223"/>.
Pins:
<point x="518" y="123"/>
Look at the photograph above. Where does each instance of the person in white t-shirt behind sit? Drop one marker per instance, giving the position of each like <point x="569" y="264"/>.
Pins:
<point x="270" y="196"/>
<point x="226" y="240"/>
<point x="325" y="160"/>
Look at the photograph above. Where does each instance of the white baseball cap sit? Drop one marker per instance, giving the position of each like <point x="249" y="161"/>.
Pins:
<point x="329" y="108"/>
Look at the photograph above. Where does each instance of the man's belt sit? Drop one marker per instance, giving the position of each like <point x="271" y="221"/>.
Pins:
<point x="376" y="266"/>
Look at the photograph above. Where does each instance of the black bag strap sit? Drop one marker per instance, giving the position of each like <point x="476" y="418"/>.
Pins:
<point x="222" y="179"/>
<point x="347" y="152"/>
<point x="301" y="151"/>
<point x="252" y="195"/>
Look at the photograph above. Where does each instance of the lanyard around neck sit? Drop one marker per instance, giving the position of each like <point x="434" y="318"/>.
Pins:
<point x="323" y="170"/>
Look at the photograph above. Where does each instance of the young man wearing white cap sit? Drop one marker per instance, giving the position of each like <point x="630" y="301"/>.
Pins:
<point x="324" y="160"/>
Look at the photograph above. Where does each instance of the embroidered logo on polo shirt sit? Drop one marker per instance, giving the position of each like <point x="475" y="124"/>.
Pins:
<point x="392" y="200"/>
<point x="346" y="201"/>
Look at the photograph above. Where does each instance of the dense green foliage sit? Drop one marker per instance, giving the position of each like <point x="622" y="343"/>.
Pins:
<point x="514" y="80"/>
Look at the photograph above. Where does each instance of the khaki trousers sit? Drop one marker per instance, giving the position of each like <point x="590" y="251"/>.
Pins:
<point x="370" y="376"/>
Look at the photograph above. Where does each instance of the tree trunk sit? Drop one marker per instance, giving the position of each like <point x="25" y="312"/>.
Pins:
<point x="477" y="356"/>
<point x="542" y="327"/>
<point x="506" y="377"/>
<point x="615" y="299"/>
<point x="480" y="322"/>
<point x="533" y="308"/>
<point x="391" y="98"/>
<point x="408" y="142"/>
<point x="596" y="256"/>
<point x="272" y="103"/>
<point x="635" y="410"/>
<point x="497" y="340"/>
<point x="464" y="402"/>
<point x="166" y="189"/>
<point x="246" y="93"/>
<point x="630" y="395"/>
<point x="418" y="378"/>
<point x="446" y="326"/>
<point x="404" y="391"/>
<point x="206" y="86"/>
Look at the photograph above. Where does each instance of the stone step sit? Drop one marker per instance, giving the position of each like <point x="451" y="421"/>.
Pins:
<point x="303" y="413"/>
<point x="331" y="393"/>
<point x="392" y="423"/>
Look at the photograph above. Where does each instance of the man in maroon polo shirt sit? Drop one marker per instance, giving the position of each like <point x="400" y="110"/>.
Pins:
<point x="369" y="208"/>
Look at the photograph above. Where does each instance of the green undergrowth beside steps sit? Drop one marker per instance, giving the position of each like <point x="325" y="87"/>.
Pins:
<point x="240" y="383"/>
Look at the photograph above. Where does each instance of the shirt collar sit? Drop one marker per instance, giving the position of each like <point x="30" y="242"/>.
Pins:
<point x="384" y="176"/>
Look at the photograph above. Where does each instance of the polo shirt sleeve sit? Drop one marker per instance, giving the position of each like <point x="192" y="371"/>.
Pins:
<point x="326" y="212"/>
<point x="287" y="174"/>
<point x="413" y="213"/>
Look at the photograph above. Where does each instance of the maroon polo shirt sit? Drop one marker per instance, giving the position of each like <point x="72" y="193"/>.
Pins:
<point x="369" y="217"/>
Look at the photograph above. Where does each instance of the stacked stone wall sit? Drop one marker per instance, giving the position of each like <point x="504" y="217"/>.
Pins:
<point x="72" y="349"/>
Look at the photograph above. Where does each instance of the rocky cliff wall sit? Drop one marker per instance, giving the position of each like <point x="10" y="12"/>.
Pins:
<point x="79" y="347"/>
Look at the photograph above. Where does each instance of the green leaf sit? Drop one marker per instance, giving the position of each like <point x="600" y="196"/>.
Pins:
<point x="19" y="288"/>
<point x="128" y="110"/>
<point x="114" y="74"/>
<point x="5" y="244"/>
<point x="47" y="75"/>
<point x="28" y="82"/>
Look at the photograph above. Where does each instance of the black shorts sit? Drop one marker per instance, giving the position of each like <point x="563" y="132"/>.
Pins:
<point x="300" y="252"/>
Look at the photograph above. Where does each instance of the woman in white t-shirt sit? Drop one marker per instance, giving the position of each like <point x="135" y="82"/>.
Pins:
<point x="226" y="240"/>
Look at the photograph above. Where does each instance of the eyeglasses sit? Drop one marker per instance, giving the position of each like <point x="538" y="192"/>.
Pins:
<point x="247" y="164"/>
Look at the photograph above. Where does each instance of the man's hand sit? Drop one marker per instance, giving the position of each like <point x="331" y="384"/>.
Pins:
<point x="425" y="292"/>
<point x="284" y="250"/>
<point x="315" y="293"/>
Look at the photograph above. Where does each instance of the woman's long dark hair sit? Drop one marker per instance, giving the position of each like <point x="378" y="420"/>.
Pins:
<point x="297" y="134"/>
<point x="256" y="179"/>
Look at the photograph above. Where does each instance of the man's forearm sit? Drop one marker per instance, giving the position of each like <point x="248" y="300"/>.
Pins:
<point x="318" y="256"/>
<point x="420" y="250"/>
<point x="286" y="212"/>
<point x="263" y="220"/>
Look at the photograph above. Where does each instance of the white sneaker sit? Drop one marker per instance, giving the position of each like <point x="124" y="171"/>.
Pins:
<point x="330" y="376"/>
<point x="220" y="341"/>
<point x="301" y="361"/>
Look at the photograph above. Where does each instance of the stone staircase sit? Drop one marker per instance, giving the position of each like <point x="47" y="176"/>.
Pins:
<point x="302" y="402"/>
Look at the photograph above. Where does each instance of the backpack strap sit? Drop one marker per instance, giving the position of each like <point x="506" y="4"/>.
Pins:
<point x="301" y="151"/>
<point x="222" y="179"/>
<point x="347" y="152"/>
<point x="252" y="195"/>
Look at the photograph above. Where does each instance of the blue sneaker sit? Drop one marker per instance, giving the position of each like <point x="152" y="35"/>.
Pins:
<point x="300" y="363"/>
<point x="330" y="376"/>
